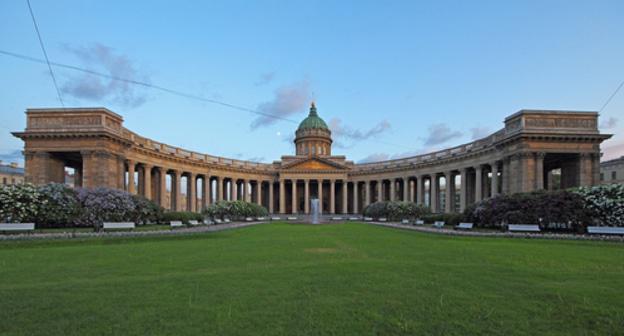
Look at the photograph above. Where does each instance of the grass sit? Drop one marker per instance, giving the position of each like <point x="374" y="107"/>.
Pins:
<point x="288" y="279"/>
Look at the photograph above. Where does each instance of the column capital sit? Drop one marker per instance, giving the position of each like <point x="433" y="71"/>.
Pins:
<point x="540" y="155"/>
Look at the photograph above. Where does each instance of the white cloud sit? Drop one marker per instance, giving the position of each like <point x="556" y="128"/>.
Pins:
<point x="287" y="101"/>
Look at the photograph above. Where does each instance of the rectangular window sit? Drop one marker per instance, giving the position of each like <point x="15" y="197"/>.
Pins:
<point x="601" y="176"/>
<point x="4" y="180"/>
<point x="614" y="175"/>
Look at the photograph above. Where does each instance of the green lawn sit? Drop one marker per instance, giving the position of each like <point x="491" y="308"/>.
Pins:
<point x="287" y="279"/>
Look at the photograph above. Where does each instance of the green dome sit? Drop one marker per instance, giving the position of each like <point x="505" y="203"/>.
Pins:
<point x="313" y="121"/>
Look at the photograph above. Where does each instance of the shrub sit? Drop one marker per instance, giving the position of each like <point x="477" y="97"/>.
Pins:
<point x="395" y="210"/>
<point x="605" y="202"/>
<point x="20" y="203"/>
<point x="104" y="204"/>
<point x="60" y="208"/>
<point x="235" y="210"/>
<point x="183" y="216"/>
<point x="146" y="211"/>
<point x="558" y="209"/>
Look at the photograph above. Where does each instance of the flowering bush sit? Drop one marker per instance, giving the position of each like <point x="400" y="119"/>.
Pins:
<point x="60" y="207"/>
<point x="559" y="209"/>
<point x="146" y="211"/>
<point x="104" y="204"/>
<point x="606" y="202"/>
<point x="20" y="203"/>
<point x="395" y="210"/>
<point x="235" y="209"/>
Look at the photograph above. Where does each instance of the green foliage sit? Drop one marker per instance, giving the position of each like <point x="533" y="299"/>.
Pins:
<point x="395" y="210"/>
<point x="605" y="202"/>
<point x="183" y="216"/>
<point x="146" y="211"/>
<point x="555" y="210"/>
<point x="20" y="203"/>
<point x="235" y="210"/>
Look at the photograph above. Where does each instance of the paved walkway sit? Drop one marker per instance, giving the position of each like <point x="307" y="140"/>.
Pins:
<point x="179" y="231"/>
<point x="221" y="227"/>
<point x="546" y="235"/>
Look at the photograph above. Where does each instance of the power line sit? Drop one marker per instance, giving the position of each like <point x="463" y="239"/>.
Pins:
<point x="147" y="85"/>
<point x="32" y="15"/>
<point x="611" y="97"/>
<point x="168" y="90"/>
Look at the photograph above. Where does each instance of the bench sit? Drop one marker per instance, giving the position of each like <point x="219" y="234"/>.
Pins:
<point x="218" y="221"/>
<point x="118" y="225"/>
<point x="336" y="218"/>
<point x="276" y="218"/>
<point x="383" y="219"/>
<point x="353" y="218"/>
<point x="194" y="222"/>
<point x="368" y="219"/>
<point x="405" y="221"/>
<point x="248" y="219"/>
<point x="419" y="222"/>
<point x="175" y="224"/>
<point x="605" y="230"/>
<point x="464" y="226"/>
<point x="261" y="218"/>
<point x="227" y="220"/>
<point x="438" y="224"/>
<point x="523" y="228"/>
<point x="291" y="218"/>
<point x="12" y="227"/>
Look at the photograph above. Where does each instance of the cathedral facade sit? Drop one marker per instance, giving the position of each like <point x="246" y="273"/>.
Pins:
<point x="536" y="149"/>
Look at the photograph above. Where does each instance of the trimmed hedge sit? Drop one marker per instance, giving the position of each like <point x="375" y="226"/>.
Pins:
<point x="235" y="210"/>
<point x="396" y="210"/>
<point x="183" y="216"/>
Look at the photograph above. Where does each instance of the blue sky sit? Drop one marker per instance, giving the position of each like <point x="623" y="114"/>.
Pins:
<point x="392" y="78"/>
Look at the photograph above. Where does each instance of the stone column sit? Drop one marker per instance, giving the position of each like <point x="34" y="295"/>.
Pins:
<point x="218" y="189"/>
<point x="585" y="169"/>
<point x="406" y="188"/>
<point x="448" y="192"/>
<point x="306" y="196"/>
<point x="505" y="173"/>
<point x="539" y="170"/>
<point x="131" y="187"/>
<point x="345" y="197"/>
<point x="355" y="197"/>
<point x="294" y="204"/>
<point x="206" y="191"/>
<point x="320" y="195"/>
<point x="271" y="207"/>
<point x="147" y="178"/>
<point x="494" y="184"/>
<point x="259" y="192"/>
<point x="282" y="197"/>
<point x="234" y="190"/>
<point x="178" y="190"/>
<point x="191" y="193"/>
<point x="435" y="187"/>
<point x="332" y="196"/>
<point x="463" y="196"/>
<point x="380" y="191"/>
<point x="392" y="189"/>
<point x="162" y="175"/>
<point x="139" y="187"/>
<point x="247" y="191"/>
<point x="420" y="196"/>
<point x="367" y="193"/>
<point x="478" y="183"/>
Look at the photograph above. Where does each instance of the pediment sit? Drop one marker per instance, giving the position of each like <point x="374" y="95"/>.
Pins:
<point x="313" y="164"/>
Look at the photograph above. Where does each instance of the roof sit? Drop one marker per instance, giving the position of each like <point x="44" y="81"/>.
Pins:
<point x="11" y="170"/>
<point x="313" y="121"/>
